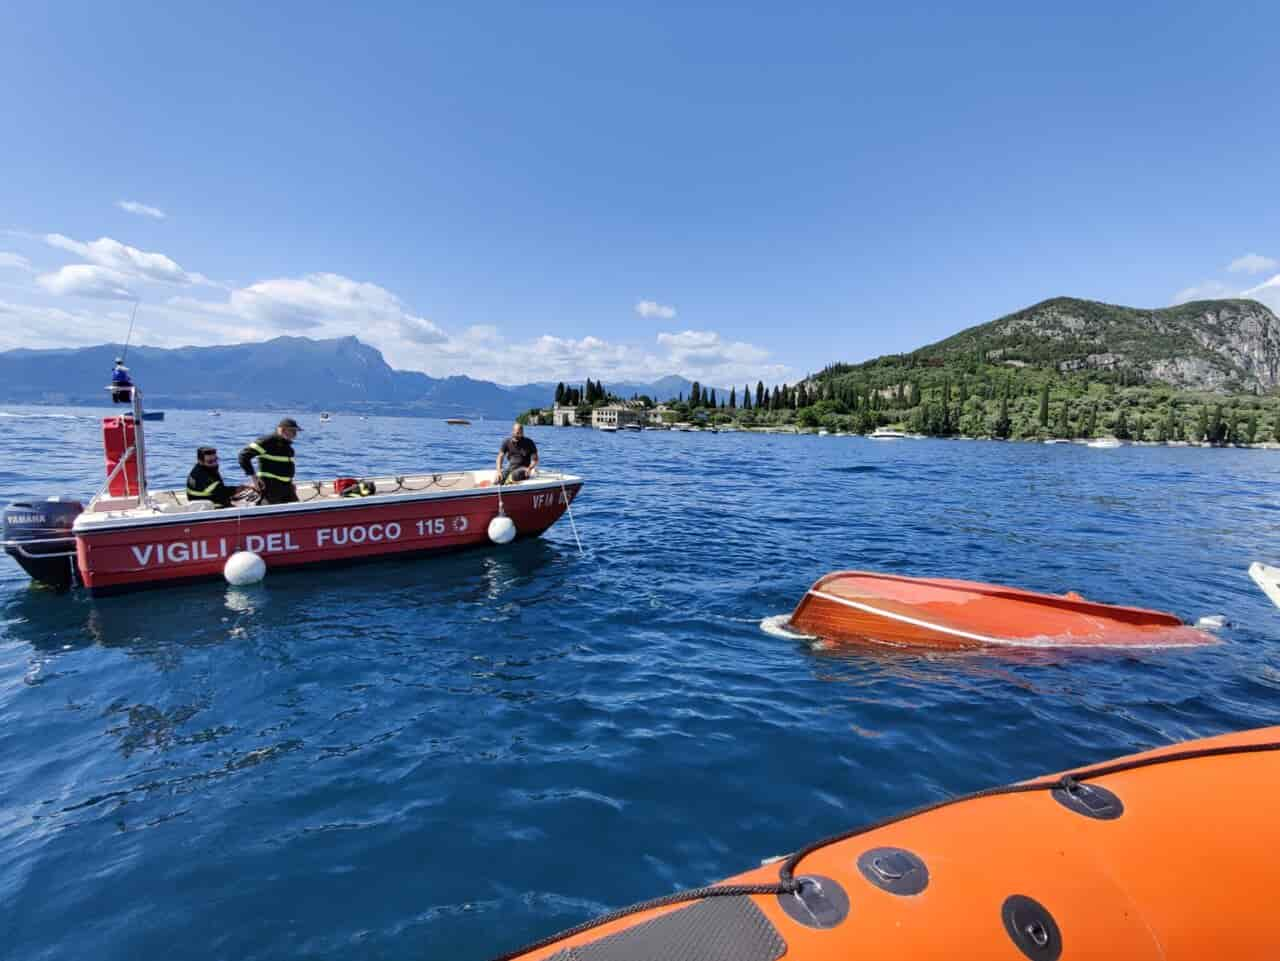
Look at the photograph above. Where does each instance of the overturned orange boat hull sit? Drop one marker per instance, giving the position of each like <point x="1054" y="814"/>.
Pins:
<point x="1167" y="855"/>
<point x="934" y="612"/>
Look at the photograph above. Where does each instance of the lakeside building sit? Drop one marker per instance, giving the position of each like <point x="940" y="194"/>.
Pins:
<point x="563" y="415"/>
<point x="615" y="415"/>
<point x="655" y="414"/>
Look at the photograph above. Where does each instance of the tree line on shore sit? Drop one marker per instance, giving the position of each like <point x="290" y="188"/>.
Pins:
<point x="983" y="400"/>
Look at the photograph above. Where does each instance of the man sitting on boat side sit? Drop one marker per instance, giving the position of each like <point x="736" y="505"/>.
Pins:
<point x="274" y="477"/>
<point x="521" y="454"/>
<point x="204" y="483"/>
<point x="121" y="383"/>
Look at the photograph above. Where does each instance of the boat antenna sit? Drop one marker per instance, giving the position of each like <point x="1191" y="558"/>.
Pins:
<point x="124" y="355"/>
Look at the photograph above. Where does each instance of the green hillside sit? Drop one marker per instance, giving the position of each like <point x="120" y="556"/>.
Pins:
<point x="1203" y="371"/>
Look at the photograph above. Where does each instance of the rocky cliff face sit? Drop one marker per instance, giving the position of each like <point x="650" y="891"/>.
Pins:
<point x="1219" y="345"/>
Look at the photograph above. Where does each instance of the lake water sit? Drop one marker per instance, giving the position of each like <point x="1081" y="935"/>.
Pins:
<point x="449" y="757"/>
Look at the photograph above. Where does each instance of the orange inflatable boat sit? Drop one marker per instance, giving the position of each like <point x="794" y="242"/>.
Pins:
<point x="1164" y="856"/>
<point x="862" y="606"/>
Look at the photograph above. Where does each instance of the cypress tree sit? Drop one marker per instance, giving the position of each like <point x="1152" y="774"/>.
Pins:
<point x="560" y="392"/>
<point x="746" y="397"/>
<point x="1003" y="424"/>
<point x="733" y="398"/>
<point x="1064" y="419"/>
<point x="711" y="402"/>
<point x="695" y="395"/>
<point x="759" y="393"/>
<point x="1044" y="405"/>
<point x="1251" y="429"/>
<point x="1091" y="422"/>
<point x="1216" y="430"/>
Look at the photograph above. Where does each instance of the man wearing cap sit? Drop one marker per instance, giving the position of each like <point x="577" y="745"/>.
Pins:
<point x="121" y="383"/>
<point x="204" y="483"/>
<point x="274" y="476"/>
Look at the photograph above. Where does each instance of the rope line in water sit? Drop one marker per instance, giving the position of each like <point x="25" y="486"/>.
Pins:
<point x="568" y="504"/>
<point x="788" y="884"/>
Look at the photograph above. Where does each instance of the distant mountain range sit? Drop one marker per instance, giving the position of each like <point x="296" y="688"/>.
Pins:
<point x="287" y="373"/>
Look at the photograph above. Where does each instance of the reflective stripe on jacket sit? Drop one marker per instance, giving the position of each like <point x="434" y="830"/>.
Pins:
<point x="275" y="458"/>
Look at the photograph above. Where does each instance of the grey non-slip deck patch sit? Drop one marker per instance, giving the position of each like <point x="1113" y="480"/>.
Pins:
<point x="718" y="929"/>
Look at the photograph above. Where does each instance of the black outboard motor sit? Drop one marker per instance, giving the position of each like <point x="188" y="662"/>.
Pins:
<point x="37" y="534"/>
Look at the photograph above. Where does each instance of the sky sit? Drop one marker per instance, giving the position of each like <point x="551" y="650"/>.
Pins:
<point x="523" y="192"/>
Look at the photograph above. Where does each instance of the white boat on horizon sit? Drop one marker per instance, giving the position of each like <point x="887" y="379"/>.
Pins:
<point x="1105" y="443"/>
<point x="886" y="433"/>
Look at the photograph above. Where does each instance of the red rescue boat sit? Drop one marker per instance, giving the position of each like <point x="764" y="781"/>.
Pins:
<point x="861" y="606"/>
<point x="130" y="537"/>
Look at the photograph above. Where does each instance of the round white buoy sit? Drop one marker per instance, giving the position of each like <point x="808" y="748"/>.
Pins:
<point x="244" y="567"/>
<point x="502" y="529"/>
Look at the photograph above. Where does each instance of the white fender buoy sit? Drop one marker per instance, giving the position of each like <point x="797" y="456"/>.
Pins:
<point x="502" y="529"/>
<point x="244" y="567"/>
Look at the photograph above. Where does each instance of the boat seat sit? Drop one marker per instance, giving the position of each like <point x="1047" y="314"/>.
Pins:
<point x="718" y="929"/>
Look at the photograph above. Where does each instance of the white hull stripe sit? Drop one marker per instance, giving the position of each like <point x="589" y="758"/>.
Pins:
<point x="954" y="632"/>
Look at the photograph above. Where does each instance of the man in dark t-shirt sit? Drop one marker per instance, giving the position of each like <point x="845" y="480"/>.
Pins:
<point x="521" y="454"/>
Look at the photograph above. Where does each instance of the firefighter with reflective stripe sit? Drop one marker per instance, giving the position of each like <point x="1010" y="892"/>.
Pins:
<point x="274" y="476"/>
<point x="204" y="483"/>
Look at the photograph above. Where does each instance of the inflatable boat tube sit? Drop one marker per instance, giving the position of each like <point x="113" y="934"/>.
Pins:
<point x="1168" y="855"/>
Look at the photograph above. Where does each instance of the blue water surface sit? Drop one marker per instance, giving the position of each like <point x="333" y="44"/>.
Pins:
<point x="452" y="756"/>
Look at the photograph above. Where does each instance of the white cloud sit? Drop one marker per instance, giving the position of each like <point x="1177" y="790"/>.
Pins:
<point x="28" y="325"/>
<point x="86" y="280"/>
<point x="14" y="262"/>
<point x="1253" y="264"/>
<point x="106" y="252"/>
<point x="323" y="305"/>
<point x="651" y="308"/>
<point x="142" y="210"/>
<point x="1268" y="292"/>
<point x="1209" y="290"/>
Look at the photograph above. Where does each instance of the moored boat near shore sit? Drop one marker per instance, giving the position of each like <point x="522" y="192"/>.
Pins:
<point x="861" y="606"/>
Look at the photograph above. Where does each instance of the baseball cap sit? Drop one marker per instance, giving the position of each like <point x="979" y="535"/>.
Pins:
<point x="289" y="422"/>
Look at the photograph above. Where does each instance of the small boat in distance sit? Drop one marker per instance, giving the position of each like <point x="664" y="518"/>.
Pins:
<point x="942" y="613"/>
<point x="215" y="413"/>
<point x="1105" y="443"/>
<point x="458" y="421"/>
<point x="1057" y="440"/>
<point x="887" y="433"/>
<point x="325" y="418"/>
<point x="607" y="428"/>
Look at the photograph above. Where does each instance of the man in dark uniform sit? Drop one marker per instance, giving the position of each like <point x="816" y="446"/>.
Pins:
<point x="274" y="477"/>
<point x="204" y="483"/>
<point x="120" y="383"/>
<point x="521" y="454"/>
